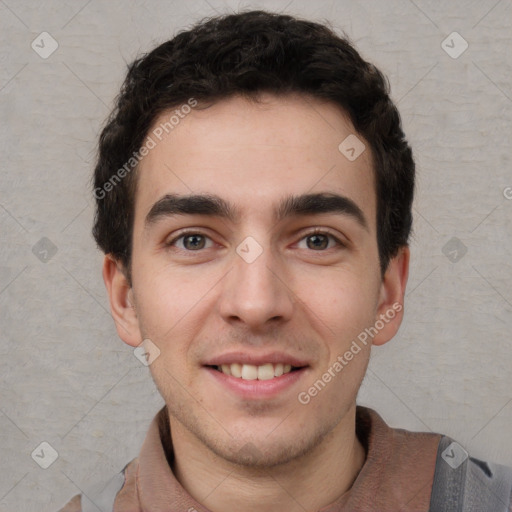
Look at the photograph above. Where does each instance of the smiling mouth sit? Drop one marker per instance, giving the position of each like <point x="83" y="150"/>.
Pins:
<point x="265" y="371"/>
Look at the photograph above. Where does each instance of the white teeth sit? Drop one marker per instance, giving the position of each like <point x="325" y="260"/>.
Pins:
<point x="265" y="371"/>
<point x="236" y="370"/>
<point x="249" y="372"/>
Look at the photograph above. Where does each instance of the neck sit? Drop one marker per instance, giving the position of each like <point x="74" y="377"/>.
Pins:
<point x="310" y="482"/>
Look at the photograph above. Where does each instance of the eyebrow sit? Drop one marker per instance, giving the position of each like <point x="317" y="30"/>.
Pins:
<point x="214" y="206"/>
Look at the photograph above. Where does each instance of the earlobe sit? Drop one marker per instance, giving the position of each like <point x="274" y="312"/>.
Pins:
<point x="122" y="306"/>
<point x="390" y="310"/>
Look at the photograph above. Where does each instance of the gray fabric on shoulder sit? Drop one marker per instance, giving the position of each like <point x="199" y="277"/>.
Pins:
<point x="465" y="484"/>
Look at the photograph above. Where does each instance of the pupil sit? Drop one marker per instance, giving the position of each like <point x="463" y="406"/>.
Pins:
<point x="318" y="242"/>
<point x="194" y="242"/>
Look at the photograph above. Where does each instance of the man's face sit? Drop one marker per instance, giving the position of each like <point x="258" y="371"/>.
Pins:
<point x="287" y="283"/>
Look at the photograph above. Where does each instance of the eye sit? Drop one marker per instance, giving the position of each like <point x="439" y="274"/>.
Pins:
<point x="191" y="241"/>
<point x="319" y="241"/>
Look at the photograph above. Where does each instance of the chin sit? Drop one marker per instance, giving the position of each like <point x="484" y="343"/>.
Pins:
<point x="253" y="455"/>
<point x="265" y="448"/>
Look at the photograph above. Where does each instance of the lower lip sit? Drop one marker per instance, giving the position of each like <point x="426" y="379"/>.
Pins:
<point x="257" y="389"/>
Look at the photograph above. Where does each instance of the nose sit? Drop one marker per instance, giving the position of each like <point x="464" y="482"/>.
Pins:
<point x="256" y="292"/>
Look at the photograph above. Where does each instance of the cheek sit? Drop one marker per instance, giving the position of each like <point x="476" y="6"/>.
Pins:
<point x="172" y="304"/>
<point x="343" y="301"/>
<point x="161" y="301"/>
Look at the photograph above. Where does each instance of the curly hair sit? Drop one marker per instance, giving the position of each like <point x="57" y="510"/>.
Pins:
<point x="246" y="54"/>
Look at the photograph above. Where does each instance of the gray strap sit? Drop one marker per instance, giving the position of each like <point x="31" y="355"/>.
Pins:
<point x="488" y="487"/>
<point x="464" y="484"/>
<point x="449" y="478"/>
<point x="101" y="498"/>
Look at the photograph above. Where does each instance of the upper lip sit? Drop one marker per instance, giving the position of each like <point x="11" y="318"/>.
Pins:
<point x="255" y="359"/>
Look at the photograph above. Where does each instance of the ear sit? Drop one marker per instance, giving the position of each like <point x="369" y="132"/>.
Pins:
<point x="390" y="309"/>
<point x="122" y="305"/>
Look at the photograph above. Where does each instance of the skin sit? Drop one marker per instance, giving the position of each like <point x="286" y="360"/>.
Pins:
<point x="272" y="454"/>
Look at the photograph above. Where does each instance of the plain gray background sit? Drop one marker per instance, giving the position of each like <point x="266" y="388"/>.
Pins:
<point x="68" y="380"/>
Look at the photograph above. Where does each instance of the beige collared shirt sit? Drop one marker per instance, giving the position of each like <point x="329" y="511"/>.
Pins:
<point x="397" y="475"/>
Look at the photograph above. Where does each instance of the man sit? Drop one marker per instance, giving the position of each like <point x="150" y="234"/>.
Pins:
<point x="254" y="192"/>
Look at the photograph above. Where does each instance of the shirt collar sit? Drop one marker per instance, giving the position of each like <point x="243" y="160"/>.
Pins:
<point x="398" y="471"/>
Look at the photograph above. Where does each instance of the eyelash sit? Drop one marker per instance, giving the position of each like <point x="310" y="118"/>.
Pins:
<point x="316" y="231"/>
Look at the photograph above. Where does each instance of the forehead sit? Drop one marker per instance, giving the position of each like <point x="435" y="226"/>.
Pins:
<point x="253" y="154"/>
